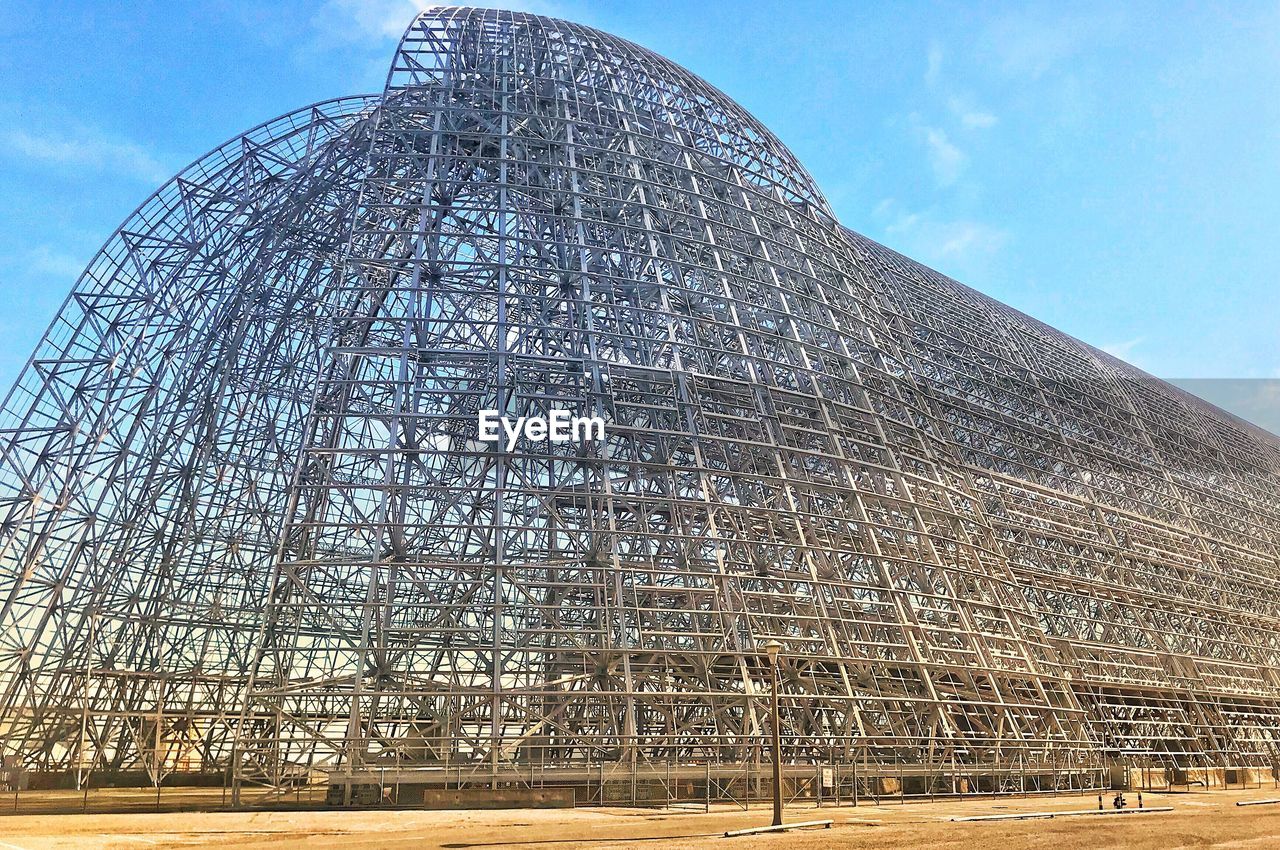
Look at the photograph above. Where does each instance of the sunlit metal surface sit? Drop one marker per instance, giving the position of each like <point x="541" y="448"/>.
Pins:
<point x="247" y="524"/>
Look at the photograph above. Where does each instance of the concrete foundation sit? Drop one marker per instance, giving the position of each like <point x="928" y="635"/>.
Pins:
<point x="502" y="798"/>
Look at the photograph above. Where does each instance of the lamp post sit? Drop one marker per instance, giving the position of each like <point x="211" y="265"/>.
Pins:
<point x="772" y="649"/>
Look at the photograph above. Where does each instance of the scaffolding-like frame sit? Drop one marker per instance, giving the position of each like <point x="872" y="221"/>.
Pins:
<point x="248" y="527"/>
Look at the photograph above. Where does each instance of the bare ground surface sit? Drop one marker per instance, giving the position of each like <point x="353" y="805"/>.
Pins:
<point x="1205" y="819"/>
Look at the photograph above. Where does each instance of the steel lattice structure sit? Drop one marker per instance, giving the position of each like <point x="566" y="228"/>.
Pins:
<point x="247" y="522"/>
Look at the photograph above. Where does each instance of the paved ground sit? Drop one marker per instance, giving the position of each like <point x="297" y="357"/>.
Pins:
<point x="1206" y="819"/>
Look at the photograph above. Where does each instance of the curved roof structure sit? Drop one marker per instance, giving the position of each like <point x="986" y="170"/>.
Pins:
<point x="247" y="522"/>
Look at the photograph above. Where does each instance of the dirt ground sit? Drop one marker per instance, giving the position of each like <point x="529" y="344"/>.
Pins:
<point x="1205" y="819"/>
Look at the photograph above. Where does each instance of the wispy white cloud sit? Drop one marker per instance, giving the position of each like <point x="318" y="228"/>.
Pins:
<point x="385" y="20"/>
<point x="86" y="148"/>
<point x="51" y="261"/>
<point x="960" y="244"/>
<point x="366" y="20"/>
<point x="960" y="105"/>
<point x="1124" y="350"/>
<point x="933" y="67"/>
<point x="946" y="158"/>
<point x="969" y="115"/>
<point x="947" y="161"/>
<point x="1030" y="43"/>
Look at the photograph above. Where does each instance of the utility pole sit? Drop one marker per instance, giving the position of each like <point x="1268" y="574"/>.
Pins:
<point x="772" y="649"/>
<point x="81" y="777"/>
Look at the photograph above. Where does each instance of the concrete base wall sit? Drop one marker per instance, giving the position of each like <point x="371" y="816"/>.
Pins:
<point x="502" y="798"/>
<point x="1206" y="778"/>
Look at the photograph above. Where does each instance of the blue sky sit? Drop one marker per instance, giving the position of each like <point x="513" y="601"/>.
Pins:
<point x="1113" y="170"/>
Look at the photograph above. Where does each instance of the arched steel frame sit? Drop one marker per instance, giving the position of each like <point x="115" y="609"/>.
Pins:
<point x="247" y="521"/>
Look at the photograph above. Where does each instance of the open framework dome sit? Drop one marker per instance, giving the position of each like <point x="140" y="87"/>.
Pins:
<point x="247" y="523"/>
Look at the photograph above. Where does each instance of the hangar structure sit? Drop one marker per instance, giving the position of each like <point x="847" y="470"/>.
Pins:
<point x="247" y="528"/>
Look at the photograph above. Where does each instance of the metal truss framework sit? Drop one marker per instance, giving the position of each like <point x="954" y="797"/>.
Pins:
<point x="247" y="522"/>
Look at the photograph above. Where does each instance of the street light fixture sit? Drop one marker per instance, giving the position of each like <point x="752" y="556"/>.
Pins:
<point x="773" y="648"/>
